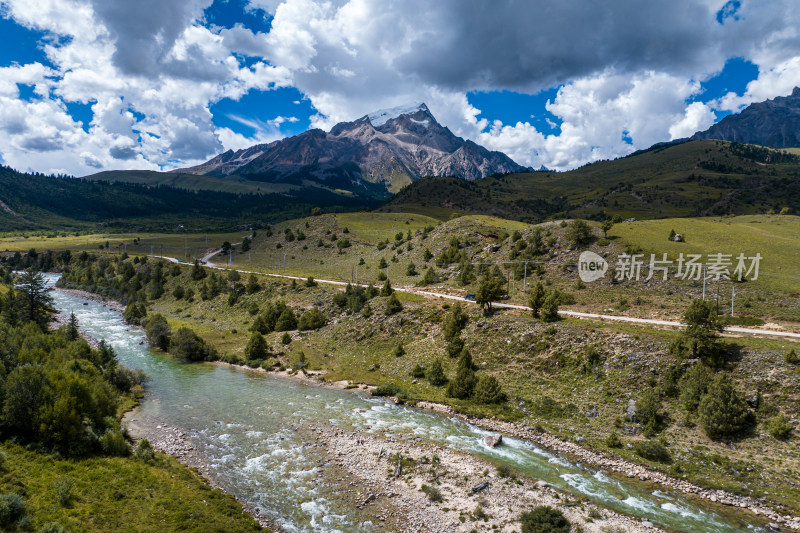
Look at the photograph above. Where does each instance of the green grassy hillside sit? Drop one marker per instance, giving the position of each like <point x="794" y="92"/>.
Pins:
<point x="698" y="178"/>
<point x="232" y="184"/>
<point x="35" y="202"/>
<point x="311" y="247"/>
<point x="776" y="238"/>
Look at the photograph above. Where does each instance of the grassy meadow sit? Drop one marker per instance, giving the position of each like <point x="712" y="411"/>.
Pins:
<point x="102" y="494"/>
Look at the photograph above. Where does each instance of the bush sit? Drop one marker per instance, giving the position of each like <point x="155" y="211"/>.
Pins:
<point x="179" y="292"/>
<point x="723" y="412"/>
<point x="158" y="332"/>
<point x="186" y="344"/>
<point x="252" y="284"/>
<point x="300" y="361"/>
<point x="144" y="451"/>
<point x="791" y="357"/>
<point x="286" y="339"/>
<point x="455" y="346"/>
<point x="779" y="427"/>
<point x="286" y="321"/>
<point x="388" y="389"/>
<point x="418" y="371"/>
<point x="429" y="278"/>
<point x="12" y="509"/>
<point x="488" y="391"/>
<point x="393" y="305"/>
<point x="647" y="410"/>
<point x="310" y="282"/>
<point x="434" y="494"/>
<point x="113" y="443"/>
<point x="311" y="319"/>
<point x="653" y="451"/>
<point x="435" y="374"/>
<point x="455" y="322"/>
<point x="386" y="290"/>
<point x="63" y="490"/>
<point x="52" y="527"/>
<point x="694" y="385"/>
<point x="579" y="233"/>
<point x="544" y="519"/>
<point x="613" y="440"/>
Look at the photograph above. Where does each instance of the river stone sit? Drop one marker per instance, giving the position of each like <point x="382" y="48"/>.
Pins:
<point x="493" y="440"/>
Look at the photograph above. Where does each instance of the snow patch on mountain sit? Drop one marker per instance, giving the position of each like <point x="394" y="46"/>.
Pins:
<point x="382" y="116"/>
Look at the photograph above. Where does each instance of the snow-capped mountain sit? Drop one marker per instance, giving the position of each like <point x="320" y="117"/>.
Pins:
<point x="381" y="151"/>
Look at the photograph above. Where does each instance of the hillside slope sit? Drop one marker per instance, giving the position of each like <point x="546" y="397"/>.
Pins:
<point x="697" y="178"/>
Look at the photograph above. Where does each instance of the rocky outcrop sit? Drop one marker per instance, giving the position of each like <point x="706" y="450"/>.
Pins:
<point x="774" y="123"/>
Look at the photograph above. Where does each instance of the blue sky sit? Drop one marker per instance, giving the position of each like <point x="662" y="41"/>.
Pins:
<point x="89" y="85"/>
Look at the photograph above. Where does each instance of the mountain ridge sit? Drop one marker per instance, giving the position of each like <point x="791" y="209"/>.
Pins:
<point x="388" y="149"/>
<point x="773" y="123"/>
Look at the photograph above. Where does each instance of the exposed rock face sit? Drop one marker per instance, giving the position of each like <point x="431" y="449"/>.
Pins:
<point x="387" y="149"/>
<point x="774" y="123"/>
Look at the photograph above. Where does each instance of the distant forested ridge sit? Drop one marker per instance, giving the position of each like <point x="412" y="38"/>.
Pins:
<point x="37" y="201"/>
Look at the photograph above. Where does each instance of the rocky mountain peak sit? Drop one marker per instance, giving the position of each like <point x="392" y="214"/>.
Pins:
<point x="384" y="150"/>
<point x="774" y="123"/>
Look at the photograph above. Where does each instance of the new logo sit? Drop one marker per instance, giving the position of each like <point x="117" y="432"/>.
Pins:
<point x="591" y="267"/>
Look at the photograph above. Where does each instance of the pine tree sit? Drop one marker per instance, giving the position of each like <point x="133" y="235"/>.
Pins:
<point x="435" y="374"/>
<point x="257" y="347"/>
<point x="455" y="322"/>
<point x="723" y="412"/>
<point x="198" y="272"/>
<point x="536" y="298"/>
<point x="386" y="290"/>
<point x="72" y="327"/>
<point x="488" y="390"/>
<point x="399" y="351"/>
<point x="464" y="383"/>
<point x="550" y="307"/>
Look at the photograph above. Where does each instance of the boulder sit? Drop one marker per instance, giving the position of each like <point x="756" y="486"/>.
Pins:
<point x="630" y="413"/>
<point x="493" y="440"/>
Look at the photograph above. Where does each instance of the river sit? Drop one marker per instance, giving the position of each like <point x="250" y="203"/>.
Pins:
<point x="248" y="428"/>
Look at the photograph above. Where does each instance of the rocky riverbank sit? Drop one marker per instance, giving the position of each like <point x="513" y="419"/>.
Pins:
<point x="631" y="470"/>
<point x="470" y="493"/>
<point x="173" y="441"/>
<point x="599" y="460"/>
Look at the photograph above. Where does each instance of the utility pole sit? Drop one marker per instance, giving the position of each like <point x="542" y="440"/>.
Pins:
<point x="513" y="282"/>
<point x="733" y="295"/>
<point x="151" y="250"/>
<point x="525" y="278"/>
<point x="284" y="262"/>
